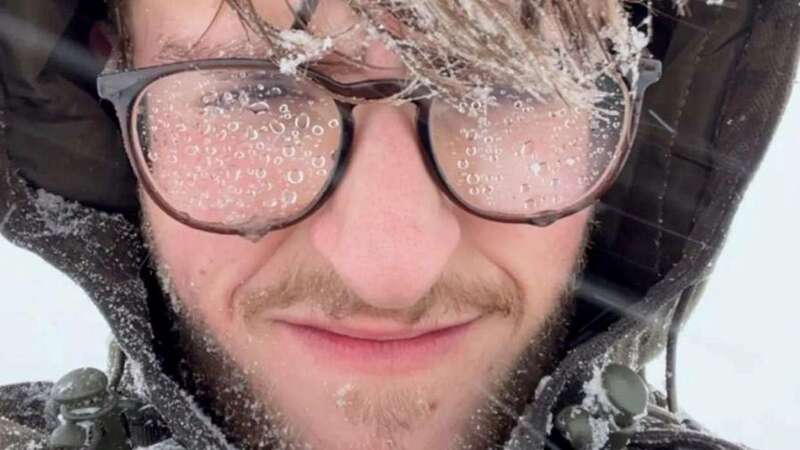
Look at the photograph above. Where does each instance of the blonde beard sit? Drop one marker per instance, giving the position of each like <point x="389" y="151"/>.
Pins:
<point x="254" y="420"/>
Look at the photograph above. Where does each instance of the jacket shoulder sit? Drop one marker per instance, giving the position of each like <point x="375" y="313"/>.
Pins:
<point x="14" y="436"/>
<point x="23" y="420"/>
<point x="24" y="404"/>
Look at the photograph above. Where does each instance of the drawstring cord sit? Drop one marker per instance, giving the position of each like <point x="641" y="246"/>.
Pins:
<point x="678" y="318"/>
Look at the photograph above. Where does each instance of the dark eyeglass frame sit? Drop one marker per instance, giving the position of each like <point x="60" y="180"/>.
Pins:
<point x="123" y="89"/>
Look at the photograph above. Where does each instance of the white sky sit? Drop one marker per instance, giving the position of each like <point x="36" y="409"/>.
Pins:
<point x="739" y="371"/>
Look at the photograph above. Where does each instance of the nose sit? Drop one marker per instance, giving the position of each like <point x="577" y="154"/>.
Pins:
<point x="387" y="231"/>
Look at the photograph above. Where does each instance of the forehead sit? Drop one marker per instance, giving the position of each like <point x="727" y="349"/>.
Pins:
<point x="158" y="23"/>
<point x="212" y="27"/>
<point x="451" y="44"/>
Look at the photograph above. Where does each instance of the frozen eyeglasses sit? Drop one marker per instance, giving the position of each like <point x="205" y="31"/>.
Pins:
<point x="234" y="146"/>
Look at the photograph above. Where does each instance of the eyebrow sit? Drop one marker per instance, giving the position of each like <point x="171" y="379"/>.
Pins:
<point x="176" y="49"/>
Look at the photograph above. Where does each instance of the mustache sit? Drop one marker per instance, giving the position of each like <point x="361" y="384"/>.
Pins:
<point x="325" y="291"/>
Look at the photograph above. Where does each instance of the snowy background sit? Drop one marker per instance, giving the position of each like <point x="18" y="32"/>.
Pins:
<point x="739" y="371"/>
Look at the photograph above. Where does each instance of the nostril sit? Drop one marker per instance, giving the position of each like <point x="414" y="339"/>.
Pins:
<point x="387" y="266"/>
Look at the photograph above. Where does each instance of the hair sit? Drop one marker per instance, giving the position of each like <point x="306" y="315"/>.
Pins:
<point x="539" y="47"/>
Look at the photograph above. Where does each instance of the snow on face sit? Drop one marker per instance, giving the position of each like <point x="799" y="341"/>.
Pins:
<point x="390" y="318"/>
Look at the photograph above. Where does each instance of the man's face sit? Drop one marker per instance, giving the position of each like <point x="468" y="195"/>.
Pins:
<point x="390" y="318"/>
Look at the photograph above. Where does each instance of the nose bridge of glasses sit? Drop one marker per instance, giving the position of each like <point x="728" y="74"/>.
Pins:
<point x="374" y="89"/>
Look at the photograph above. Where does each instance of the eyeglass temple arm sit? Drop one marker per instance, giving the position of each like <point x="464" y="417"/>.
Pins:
<point x="120" y="86"/>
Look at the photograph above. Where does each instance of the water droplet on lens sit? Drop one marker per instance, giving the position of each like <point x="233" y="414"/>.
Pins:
<point x="317" y="130"/>
<point x="473" y="179"/>
<point x="289" y="152"/>
<point x="334" y="123"/>
<point x="289" y="197"/>
<point x="463" y="164"/>
<point x="318" y="162"/>
<point x="295" y="176"/>
<point x="259" y="108"/>
<point x="302" y="121"/>
<point x="277" y="127"/>
<point x="526" y="149"/>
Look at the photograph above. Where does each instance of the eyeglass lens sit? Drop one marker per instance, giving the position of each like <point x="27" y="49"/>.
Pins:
<point x="516" y="155"/>
<point x="238" y="147"/>
<point x="253" y="148"/>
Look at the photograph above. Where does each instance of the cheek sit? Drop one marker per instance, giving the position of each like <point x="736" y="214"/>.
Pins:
<point x="541" y="260"/>
<point x="205" y="269"/>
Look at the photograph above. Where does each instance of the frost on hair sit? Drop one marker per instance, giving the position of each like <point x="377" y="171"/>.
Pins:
<point x="539" y="47"/>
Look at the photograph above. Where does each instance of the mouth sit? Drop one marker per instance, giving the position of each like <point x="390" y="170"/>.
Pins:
<point x="375" y="348"/>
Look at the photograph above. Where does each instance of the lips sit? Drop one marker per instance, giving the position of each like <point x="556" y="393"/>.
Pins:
<point x="374" y="348"/>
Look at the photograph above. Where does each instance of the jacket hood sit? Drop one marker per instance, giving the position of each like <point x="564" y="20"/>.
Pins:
<point x="67" y="193"/>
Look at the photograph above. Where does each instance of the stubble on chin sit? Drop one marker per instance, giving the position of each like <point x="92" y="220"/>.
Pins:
<point x="223" y="389"/>
<point x="251" y="415"/>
